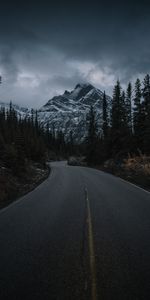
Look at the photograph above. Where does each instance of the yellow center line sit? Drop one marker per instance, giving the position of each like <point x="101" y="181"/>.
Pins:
<point x="91" y="250"/>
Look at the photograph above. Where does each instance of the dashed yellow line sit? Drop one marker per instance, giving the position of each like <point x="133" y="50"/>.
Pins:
<point x="91" y="251"/>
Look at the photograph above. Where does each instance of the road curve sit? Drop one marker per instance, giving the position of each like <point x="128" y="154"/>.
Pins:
<point x="82" y="234"/>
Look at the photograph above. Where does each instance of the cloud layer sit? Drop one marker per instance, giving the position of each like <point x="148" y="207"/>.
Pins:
<point x="46" y="49"/>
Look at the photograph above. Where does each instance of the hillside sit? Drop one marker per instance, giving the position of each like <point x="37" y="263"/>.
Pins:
<point x="68" y="112"/>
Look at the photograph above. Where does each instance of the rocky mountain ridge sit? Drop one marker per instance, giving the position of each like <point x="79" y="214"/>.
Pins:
<point x="68" y="112"/>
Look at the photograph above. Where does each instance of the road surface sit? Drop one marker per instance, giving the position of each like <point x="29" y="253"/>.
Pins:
<point x="82" y="234"/>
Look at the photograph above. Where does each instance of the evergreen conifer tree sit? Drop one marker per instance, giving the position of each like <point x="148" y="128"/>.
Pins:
<point x="128" y="102"/>
<point x="146" y="114"/>
<point x="92" y="136"/>
<point x="119" y="130"/>
<point x="105" y="116"/>
<point x="137" y="106"/>
<point x="137" y="116"/>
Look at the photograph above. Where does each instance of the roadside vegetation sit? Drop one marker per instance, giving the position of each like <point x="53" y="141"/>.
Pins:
<point x="124" y="146"/>
<point x="25" y="148"/>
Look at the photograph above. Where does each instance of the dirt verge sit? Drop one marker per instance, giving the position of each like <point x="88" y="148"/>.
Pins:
<point x="12" y="187"/>
<point x="133" y="169"/>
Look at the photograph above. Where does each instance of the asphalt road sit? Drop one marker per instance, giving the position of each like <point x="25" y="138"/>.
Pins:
<point x="82" y="234"/>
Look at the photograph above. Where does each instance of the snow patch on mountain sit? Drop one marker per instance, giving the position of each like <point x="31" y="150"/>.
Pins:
<point x="68" y="112"/>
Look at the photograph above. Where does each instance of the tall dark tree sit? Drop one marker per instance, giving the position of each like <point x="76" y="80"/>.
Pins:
<point x="145" y="111"/>
<point x="124" y="118"/>
<point x="105" y="116"/>
<point x="137" y="106"/>
<point x="92" y="136"/>
<point x="146" y="92"/>
<point x="118" y="119"/>
<point x="119" y="130"/>
<point x="71" y="142"/>
<point x="137" y="116"/>
<point x="128" y="103"/>
<point x="116" y="113"/>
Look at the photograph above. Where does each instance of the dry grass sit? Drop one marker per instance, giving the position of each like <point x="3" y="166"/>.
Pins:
<point x="138" y="164"/>
<point x="135" y="169"/>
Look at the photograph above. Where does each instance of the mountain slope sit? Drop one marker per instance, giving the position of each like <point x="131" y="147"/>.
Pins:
<point x="68" y="112"/>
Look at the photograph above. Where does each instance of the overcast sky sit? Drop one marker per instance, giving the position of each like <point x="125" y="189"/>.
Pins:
<point x="46" y="48"/>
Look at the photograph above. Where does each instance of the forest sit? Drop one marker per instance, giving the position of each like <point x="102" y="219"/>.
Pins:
<point x="126" y="130"/>
<point x="125" y="133"/>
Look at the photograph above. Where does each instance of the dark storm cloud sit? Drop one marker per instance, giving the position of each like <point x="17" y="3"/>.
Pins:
<point x="46" y="47"/>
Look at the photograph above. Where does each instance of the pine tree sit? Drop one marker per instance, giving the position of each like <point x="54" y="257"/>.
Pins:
<point x="120" y="142"/>
<point x="145" y="111"/>
<point x="137" y="106"/>
<point x="128" y="102"/>
<point x="137" y="116"/>
<point x="105" y="116"/>
<point x="36" y="121"/>
<point x="123" y="110"/>
<point x="92" y="136"/>
<point x="116" y="107"/>
<point x="71" y="142"/>
<point x="146" y="92"/>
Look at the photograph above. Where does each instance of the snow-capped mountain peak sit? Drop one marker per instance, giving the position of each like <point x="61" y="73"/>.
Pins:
<point x="68" y="112"/>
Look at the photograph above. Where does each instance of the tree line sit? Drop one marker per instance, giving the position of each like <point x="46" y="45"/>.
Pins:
<point x="126" y="127"/>
<point x="125" y="130"/>
<point x="25" y="140"/>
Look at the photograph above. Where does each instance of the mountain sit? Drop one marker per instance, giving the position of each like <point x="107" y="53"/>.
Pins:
<point x="68" y="112"/>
